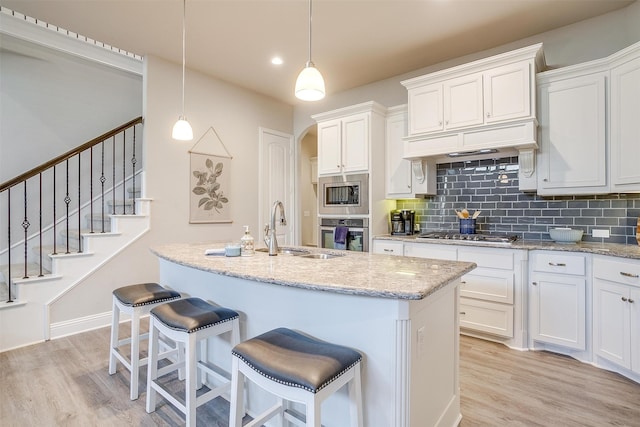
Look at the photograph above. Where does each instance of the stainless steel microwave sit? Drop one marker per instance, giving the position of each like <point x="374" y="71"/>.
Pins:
<point x="343" y="194"/>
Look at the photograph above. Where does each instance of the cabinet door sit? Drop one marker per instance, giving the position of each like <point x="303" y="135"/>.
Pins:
<point x="634" y="307"/>
<point x="573" y="153"/>
<point x="329" y="147"/>
<point x="625" y="126"/>
<point x="507" y="92"/>
<point x="355" y="143"/>
<point x="463" y="101"/>
<point x="611" y="322"/>
<point x="425" y="109"/>
<point x="398" y="170"/>
<point x="558" y="310"/>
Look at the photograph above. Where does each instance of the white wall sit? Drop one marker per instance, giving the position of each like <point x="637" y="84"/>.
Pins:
<point x="584" y="41"/>
<point x="236" y="115"/>
<point x="51" y="102"/>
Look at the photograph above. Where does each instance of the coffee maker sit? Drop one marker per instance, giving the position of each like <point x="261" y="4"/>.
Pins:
<point x="402" y="222"/>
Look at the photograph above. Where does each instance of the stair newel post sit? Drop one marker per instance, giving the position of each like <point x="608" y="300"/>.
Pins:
<point x="91" y="190"/>
<point x="9" y="242"/>
<point x="102" y="181"/>
<point x="55" y="219"/>
<point x="40" y="274"/>
<point x="67" y="200"/>
<point x="25" y="225"/>
<point x="133" y="171"/>
<point x="79" y="205"/>
<point x="124" y="171"/>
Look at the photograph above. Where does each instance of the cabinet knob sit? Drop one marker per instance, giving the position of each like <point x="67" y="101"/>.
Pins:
<point x="559" y="264"/>
<point x="624" y="299"/>
<point x="545" y="180"/>
<point x="409" y="186"/>
<point x="631" y="301"/>
<point x="633" y="276"/>
<point x="440" y="123"/>
<point x="534" y="283"/>
<point x="488" y="114"/>
<point x="338" y="166"/>
<point x="446" y="122"/>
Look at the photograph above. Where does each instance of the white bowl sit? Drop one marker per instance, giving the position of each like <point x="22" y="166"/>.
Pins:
<point x="565" y="235"/>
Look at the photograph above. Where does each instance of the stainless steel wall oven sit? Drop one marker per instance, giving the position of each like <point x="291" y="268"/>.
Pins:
<point x="357" y="238"/>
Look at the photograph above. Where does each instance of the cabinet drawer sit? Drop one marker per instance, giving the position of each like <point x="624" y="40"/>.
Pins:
<point x="388" y="247"/>
<point x="489" y="317"/>
<point x="426" y="250"/>
<point x="553" y="262"/>
<point x="491" y="258"/>
<point x="488" y="284"/>
<point x="627" y="272"/>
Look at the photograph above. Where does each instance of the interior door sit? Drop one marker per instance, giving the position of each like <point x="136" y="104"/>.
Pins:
<point x="276" y="182"/>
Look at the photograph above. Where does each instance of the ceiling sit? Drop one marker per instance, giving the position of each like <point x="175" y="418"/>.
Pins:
<point x="355" y="42"/>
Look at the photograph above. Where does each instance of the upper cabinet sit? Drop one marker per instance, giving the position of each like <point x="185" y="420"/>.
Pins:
<point x="345" y="138"/>
<point x="488" y="103"/>
<point x="625" y="123"/>
<point x="589" y="127"/>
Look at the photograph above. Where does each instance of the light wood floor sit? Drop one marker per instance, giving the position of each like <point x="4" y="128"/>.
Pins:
<point x="65" y="383"/>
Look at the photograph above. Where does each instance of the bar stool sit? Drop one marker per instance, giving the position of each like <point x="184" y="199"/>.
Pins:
<point x="295" y="368"/>
<point x="136" y="301"/>
<point x="188" y="322"/>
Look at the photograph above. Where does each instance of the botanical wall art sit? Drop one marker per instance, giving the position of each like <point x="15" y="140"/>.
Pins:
<point x="210" y="169"/>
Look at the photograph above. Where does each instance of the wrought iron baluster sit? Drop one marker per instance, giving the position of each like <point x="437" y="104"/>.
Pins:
<point x="55" y="219"/>
<point x="25" y="225"/>
<point x="79" y="205"/>
<point x="9" y="243"/>
<point x="91" y="190"/>
<point x="102" y="181"/>
<point x="67" y="200"/>
<point x="113" y="167"/>
<point x="40" y="274"/>
<point x="133" y="173"/>
<point x="124" y="172"/>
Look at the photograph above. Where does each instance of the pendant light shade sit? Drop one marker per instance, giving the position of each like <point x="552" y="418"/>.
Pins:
<point x="310" y="84"/>
<point x="182" y="129"/>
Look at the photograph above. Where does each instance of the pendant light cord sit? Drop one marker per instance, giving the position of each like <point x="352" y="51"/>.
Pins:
<point x="310" y="20"/>
<point x="184" y="13"/>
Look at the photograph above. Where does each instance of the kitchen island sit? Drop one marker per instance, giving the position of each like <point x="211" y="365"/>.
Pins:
<point x="400" y="313"/>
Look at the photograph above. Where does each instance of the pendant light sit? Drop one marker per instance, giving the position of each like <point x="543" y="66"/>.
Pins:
<point x="310" y="84"/>
<point x="182" y="129"/>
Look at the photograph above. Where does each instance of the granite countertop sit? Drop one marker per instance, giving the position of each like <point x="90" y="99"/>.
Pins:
<point x="611" y="249"/>
<point x="356" y="273"/>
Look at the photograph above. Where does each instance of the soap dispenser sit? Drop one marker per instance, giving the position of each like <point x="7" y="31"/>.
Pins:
<point x="246" y="243"/>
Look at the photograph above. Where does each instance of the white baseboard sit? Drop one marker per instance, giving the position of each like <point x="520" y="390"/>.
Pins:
<point x="83" y="324"/>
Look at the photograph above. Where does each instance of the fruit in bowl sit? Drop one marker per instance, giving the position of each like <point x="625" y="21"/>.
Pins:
<point x="565" y="235"/>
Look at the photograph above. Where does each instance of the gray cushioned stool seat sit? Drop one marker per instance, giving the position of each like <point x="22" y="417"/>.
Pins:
<point x="144" y="294"/>
<point x="293" y="359"/>
<point x="192" y="314"/>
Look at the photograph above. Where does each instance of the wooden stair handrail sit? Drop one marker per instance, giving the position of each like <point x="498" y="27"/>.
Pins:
<point x="61" y="158"/>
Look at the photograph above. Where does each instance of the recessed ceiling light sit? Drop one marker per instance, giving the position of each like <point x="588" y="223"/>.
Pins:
<point x="276" y="60"/>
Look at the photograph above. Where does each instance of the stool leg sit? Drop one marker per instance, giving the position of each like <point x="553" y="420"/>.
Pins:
<point x="355" y="398"/>
<point x="236" y="411"/>
<point x="152" y="366"/>
<point x="191" y="383"/>
<point x="135" y="353"/>
<point x="201" y="376"/>
<point x="313" y="413"/>
<point x="115" y="328"/>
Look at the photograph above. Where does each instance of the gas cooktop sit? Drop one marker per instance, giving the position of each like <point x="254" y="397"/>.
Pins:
<point x="480" y="238"/>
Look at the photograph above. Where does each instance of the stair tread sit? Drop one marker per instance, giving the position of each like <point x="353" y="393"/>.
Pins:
<point x="32" y="270"/>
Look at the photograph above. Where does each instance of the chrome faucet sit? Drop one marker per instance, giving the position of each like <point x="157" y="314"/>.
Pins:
<point x="270" y="229"/>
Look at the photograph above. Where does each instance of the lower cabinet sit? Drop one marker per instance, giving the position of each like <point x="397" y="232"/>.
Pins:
<point x="557" y="299"/>
<point x="617" y="312"/>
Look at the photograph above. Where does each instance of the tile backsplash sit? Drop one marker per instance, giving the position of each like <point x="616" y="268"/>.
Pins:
<point x="491" y="186"/>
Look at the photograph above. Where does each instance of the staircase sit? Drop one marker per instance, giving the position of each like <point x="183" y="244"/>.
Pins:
<point x="49" y="263"/>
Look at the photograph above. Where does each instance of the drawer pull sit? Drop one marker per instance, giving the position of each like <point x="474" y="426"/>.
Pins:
<point x="558" y="264"/>
<point x="624" y="299"/>
<point x="463" y="312"/>
<point x="388" y="250"/>
<point x="534" y="283"/>
<point x="633" y="276"/>
<point x="463" y="282"/>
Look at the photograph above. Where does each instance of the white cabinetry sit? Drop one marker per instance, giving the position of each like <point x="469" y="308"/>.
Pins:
<point x="388" y="247"/>
<point x="617" y="311"/>
<point x="491" y="297"/>
<point x="625" y="125"/>
<point x="400" y="182"/>
<point x="572" y="156"/>
<point x="489" y="103"/>
<point x="345" y="138"/>
<point x="557" y="299"/>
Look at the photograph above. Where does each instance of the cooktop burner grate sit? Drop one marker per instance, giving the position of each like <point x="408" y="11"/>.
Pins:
<point x="480" y="238"/>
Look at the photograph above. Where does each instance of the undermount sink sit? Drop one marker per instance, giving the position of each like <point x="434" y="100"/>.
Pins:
<point x="321" y="256"/>
<point x="286" y="251"/>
